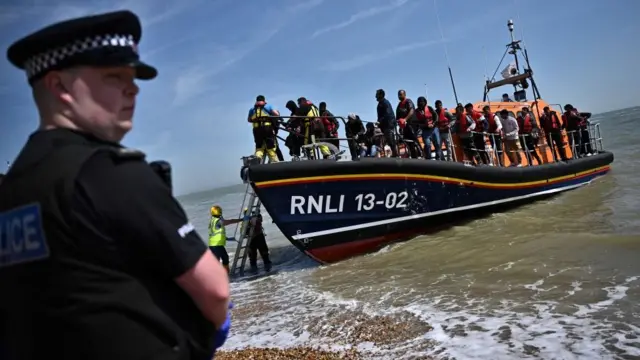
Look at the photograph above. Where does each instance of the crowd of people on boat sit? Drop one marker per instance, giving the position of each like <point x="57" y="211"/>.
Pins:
<point x="421" y="131"/>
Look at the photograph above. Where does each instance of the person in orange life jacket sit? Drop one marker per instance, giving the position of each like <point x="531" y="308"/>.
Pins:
<point x="372" y="141"/>
<point x="406" y="116"/>
<point x="354" y="129"/>
<point x="295" y="139"/>
<point x="511" y="142"/>
<point x="552" y="127"/>
<point x="258" y="243"/>
<point x="577" y="130"/>
<point x="495" y="132"/>
<point x="331" y="124"/>
<point x="264" y="128"/>
<point x="529" y="132"/>
<point x="463" y="127"/>
<point x="428" y="121"/>
<point x="312" y="125"/>
<point x="387" y="121"/>
<point x="478" y="133"/>
<point x="445" y="121"/>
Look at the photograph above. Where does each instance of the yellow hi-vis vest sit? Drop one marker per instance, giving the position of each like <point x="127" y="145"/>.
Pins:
<point x="217" y="232"/>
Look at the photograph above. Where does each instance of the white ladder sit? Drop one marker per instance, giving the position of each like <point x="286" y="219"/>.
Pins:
<point x="243" y="239"/>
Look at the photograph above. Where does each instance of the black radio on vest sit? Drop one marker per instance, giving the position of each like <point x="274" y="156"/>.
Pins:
<point x="162" y="169"/>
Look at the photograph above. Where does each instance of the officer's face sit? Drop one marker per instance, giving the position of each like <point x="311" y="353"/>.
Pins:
<point x="102" y="100"/>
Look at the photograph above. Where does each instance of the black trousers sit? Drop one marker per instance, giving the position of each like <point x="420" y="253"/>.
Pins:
<point x="259" y="244"/>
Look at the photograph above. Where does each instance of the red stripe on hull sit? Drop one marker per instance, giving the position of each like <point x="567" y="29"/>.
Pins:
<point x="348" y="249"/>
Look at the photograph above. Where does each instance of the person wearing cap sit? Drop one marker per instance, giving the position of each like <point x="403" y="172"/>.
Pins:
<point x="218" y="234"/>
<point x="264" y="128"/>
<point x="104" y="263"/>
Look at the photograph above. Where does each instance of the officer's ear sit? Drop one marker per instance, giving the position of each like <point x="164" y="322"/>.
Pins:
<point x="58" y="83"/>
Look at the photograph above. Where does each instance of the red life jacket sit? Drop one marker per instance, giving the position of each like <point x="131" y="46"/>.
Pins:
<point x="573" y="126"/>
<point x="463" y="123"/>
<point x="329" y="125"/>
<point x="526" y="127"/>
<point x="476" y="116"/>
<point x="493" y="126"/>
<point x="443" y="121"/>
<point x="425" y="117"/>
<point x="554" y="121"/>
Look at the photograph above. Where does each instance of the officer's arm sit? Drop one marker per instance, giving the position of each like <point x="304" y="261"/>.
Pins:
<point x="127" y="201"/>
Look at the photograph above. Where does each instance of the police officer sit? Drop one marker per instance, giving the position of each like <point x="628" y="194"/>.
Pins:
<point x="97" y="258"/>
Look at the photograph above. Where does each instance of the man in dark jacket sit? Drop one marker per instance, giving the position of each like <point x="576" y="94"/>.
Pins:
<point x="354" y="131"/>
<point x="387" y="121"/>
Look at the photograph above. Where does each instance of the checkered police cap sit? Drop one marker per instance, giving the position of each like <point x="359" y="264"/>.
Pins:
<point x="109" y="39"/>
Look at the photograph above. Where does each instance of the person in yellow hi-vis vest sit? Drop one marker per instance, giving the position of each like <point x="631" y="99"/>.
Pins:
<point x="264" y="128"/>
<point x="312" y="125"/>
<point x="218" y="234"/>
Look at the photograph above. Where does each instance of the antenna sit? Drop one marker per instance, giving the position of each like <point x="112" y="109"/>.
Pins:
<point x="446" y="52"/>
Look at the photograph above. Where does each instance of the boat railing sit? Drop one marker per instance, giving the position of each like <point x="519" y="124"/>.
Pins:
<point x="495" y="149"/>
<point x="312" y="146"/>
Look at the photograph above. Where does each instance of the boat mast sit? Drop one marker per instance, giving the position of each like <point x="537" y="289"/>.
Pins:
<point x="446" y="53"/>
<point x="519" y="79"/>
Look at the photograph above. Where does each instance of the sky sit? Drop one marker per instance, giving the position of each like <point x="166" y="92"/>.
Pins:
<point x="215" y="56"/>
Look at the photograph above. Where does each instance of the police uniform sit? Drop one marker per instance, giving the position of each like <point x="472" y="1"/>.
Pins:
<point x="91" y="239"/>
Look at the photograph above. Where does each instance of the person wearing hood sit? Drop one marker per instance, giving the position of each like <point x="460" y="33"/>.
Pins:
<point x="293" y="126"/>
<point x="330" y="123"/>
<point x="355" y="131"/>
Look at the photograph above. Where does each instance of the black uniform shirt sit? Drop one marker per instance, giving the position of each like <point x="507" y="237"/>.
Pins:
<point x="107" y="289"/>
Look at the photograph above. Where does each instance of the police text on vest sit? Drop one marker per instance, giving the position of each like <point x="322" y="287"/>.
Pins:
<point x="22" y="237"/>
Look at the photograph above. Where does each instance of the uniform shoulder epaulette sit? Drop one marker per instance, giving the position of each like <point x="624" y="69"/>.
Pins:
<point x="124" y="154"/>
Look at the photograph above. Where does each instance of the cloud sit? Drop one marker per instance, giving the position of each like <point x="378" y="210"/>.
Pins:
<point x="195" y="80"/>
<point x="359" y="61"/>
<point x="361" y="16"/>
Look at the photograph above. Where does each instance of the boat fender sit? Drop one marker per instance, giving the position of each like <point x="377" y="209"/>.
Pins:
<point x="244" y="174"/>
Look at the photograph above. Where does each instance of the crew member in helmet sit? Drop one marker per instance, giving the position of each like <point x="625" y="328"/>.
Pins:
<point x="218" y="234"/>
<point x="264" y="128"/>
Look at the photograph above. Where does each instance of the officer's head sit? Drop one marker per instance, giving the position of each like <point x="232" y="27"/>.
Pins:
<point x="216" y="210"/>
<point x="82" y="72"/>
